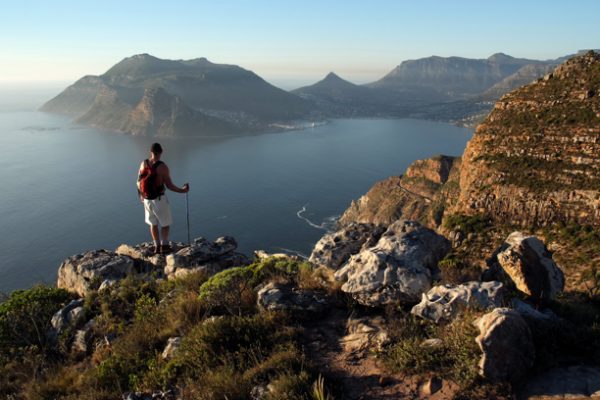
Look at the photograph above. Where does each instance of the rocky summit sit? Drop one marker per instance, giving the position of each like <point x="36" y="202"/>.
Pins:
<point x="536" y="158"/>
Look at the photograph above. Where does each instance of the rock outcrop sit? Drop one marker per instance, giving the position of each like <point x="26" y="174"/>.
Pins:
<point x="284" y="297"/>
<point x="69" y="316"/>
<point x="85" y="272"/>
<point x="397" y="269"/>
<point x="443" y="303"/>
<point x="334" y="249"/>
<point x="528" y="264"/>
<point x="536" y="158"/>
<point x="204" y="255"/>
<point x="102" y="269"/>
<point x="507" y="345"/>
<point x="421" y="194"/>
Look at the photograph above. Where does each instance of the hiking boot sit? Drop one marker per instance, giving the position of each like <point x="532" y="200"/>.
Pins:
<point x="154" y="250"/>
<point x="166" y="249"/>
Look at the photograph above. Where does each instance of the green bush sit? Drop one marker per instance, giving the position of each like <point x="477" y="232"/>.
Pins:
<point x="455" y="358"/>
<point x="467" y="223"/>
<point x="232" y="290"/>
<point x="25" y="316"/>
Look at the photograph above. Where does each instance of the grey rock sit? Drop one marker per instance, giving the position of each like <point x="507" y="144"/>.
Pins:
<point x="199" y="253"/>
<point x="526" y="262"/>
<point x="335" y="248"/>
<point x="259" y="392"/>
<point x="210" y="267"/>
<point x="527" y="311"/>
<point x="398" y="268"/>
<point x="507" y="345"/>
<point x="444" y="303"/>
<point x="433" y="343"/>
<point x="85" y="272"/>
<point x="364" y="334"/>
<point x="284" y="297"/>
<point x="144" y="258"/>
<point x="70" y="315"/>
<point x="171" y="347"/>
<point x="575" y="382"/>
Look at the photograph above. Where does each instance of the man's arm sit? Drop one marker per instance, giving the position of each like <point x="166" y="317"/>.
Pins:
<point x="169" y="183"/>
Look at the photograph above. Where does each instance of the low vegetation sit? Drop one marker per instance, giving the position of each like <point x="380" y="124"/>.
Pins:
<point x="228" y="346"/>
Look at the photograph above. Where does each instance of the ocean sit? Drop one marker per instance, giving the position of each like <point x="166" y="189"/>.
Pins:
<point x="67" y="188"/>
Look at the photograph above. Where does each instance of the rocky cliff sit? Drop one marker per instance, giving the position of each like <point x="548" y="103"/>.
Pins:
<point x="422" y="194"/>
<point x="536" y="158"/>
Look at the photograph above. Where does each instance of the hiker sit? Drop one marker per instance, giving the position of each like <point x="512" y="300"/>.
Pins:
<point x="153" y="176"/>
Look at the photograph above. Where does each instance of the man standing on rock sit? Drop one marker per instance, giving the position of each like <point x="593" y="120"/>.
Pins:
<point x="153" y="176"/>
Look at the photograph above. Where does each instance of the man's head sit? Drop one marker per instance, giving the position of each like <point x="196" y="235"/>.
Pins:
<point x="156" y="150"/>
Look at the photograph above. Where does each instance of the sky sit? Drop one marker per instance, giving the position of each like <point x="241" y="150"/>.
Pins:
<point x="289" y="43"/>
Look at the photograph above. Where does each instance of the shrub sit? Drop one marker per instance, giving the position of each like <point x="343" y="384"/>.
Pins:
<point x="232" y="290"/>
<point x="25" y="316"/>
<point x="455" y="358"/>
<point x="467" y="223"/>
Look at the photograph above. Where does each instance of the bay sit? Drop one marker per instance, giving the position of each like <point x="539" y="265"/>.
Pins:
<point x="67" y="189"/>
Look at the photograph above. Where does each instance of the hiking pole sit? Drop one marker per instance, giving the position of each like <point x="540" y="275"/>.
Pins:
<point x="187" y="212"/>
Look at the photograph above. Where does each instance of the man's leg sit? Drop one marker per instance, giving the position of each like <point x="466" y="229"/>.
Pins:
<point x="164" y="233"/>
<point x="165" y="245"/>
<point x="155" y="235"/>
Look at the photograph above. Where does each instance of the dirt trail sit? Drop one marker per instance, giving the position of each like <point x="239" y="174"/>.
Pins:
<point x="357" y="371"/>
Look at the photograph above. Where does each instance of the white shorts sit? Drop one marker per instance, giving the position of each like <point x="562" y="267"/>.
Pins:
<point x="158" y="211"/>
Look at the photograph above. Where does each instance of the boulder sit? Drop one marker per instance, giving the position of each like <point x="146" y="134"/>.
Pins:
<point x="144" y="258"/>
<point x="284" y="297"/>
<point x="529" y="312"/>
<point x="171" y="347"/>
<point x="507" y="345"/>
<point x="335" y="248"/>
<point x="526" y="262"/>
<point x="199" y="252"/>
<point x="85" y="272"/>
<point x="443" y="303"/>
<point x="575" y="382"/>
<point x="70" y="315"/>
<point x="81" y="339"/>
<point x="364" y="334"/>
<point x="210" y="267"/>
<point x="397" y="269"/>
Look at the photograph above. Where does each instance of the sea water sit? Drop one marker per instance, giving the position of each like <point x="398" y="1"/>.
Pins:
<point x="66" y="188"/>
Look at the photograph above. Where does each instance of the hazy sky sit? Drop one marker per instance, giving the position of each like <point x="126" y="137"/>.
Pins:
<point x="288" y="43"/>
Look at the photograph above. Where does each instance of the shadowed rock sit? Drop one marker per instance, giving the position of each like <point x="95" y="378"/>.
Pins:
<point x="507" y="345"/>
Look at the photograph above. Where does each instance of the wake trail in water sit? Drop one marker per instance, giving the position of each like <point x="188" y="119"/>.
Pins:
<point x="327" y="225"/>
<point x="294" y="252"/>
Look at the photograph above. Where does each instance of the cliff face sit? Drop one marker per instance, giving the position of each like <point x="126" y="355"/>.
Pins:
<point x="421" y="194"/>
<point x="536" y="158"/>
<point x="161" y="114"/>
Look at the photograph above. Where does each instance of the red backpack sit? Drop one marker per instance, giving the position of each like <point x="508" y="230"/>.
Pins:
<point x="148" y="186"/>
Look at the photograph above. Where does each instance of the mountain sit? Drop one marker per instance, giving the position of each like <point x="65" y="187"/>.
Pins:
<point x="455" y="89"/>
<point x="339" y="97"/>
<point x="229" y="93"/>
<point x="524" y="75"/>
<point x="452" y="78"/>
<point x="534" y="161"/>
<point x="533" y="164"/>
<point x="536" y="158"/>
